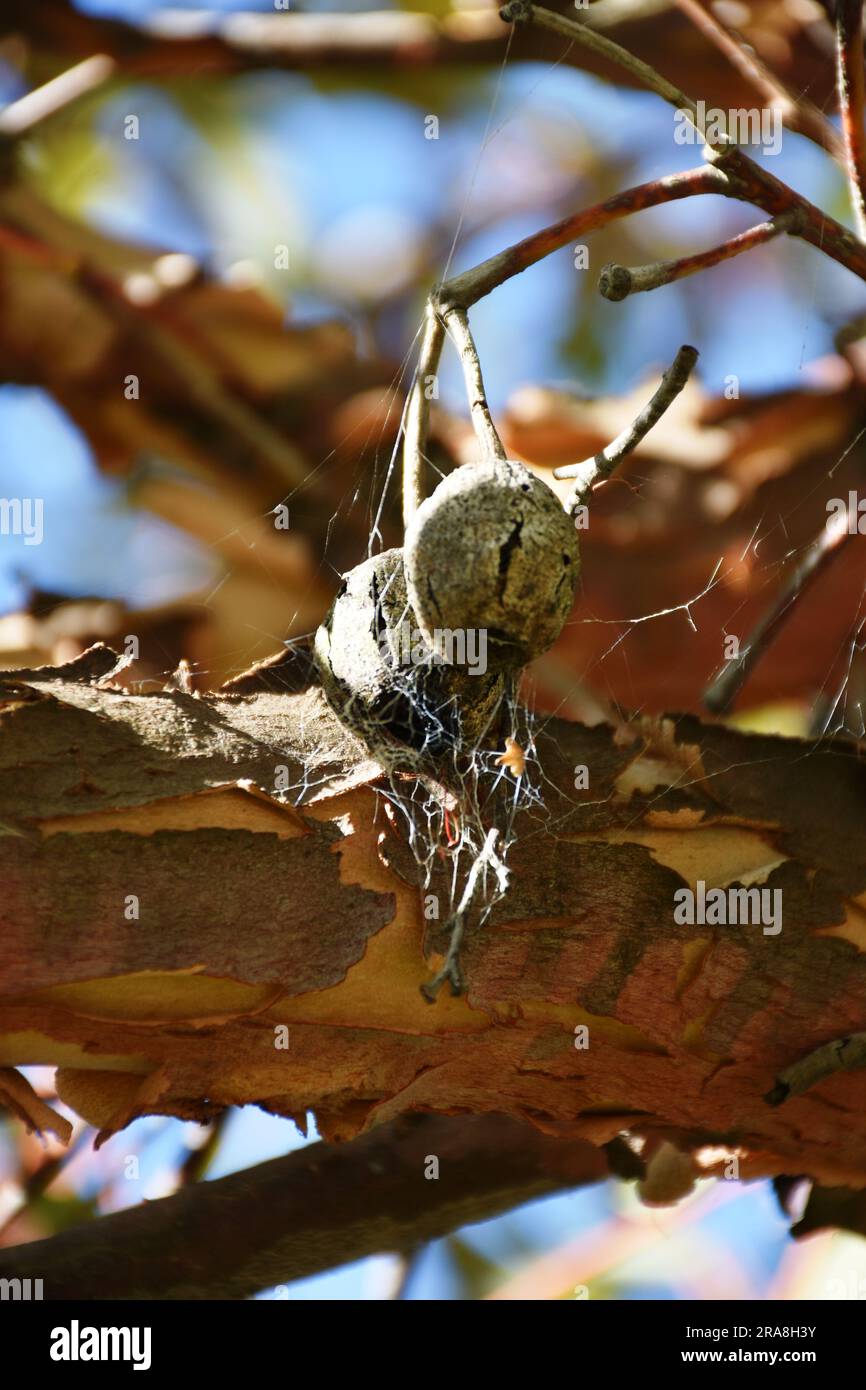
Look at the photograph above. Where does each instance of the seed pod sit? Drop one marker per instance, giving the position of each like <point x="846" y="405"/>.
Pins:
<point x="493" y="549"/>
<point x="386" y="684"/>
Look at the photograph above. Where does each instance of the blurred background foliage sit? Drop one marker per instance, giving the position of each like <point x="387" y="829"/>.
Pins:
<point x="262" y="383"/>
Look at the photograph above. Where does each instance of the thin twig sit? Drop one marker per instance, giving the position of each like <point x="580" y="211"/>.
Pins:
<point x="595" y="469"/>
<point x="22" y="116"/>
<point x="457" y="324"/>
<point x="466" y="289"/>
<point x="521" y="11"/>
<point x="798" y="113"/>
<point x="418" y="412"/>
<point x="720" y="694"/>
<point x="852" y="101"/>
<point x="451" y="969"/>
<point x="750" y="183"/>
<point x="729" y="173"/>
<point x="745" y="179"/>
<point x="617" y="282"/>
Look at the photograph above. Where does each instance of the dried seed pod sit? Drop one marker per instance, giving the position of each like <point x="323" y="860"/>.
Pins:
<point x="385" y="682"/>
<point x="492" y="549"/>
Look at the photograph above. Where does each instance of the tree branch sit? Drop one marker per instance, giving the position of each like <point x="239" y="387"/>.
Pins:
<point x="731" y="174"/>
<point x="464" y="290"/>
<point x="179" y="43"/>
<point x="21" y="117"/>
<point x="852" y="101"/>
<point x="608" y="460"/>
<point x="798" y="112"/>
<point x="746" y="179"/>
<point x="309" y="1211"/>
<point x="579" y="31"/>
<point x="617" y="282"/>
<point x="418" y="412"/>
<point x="489" y="443"/>
<point x="169" y="805"/>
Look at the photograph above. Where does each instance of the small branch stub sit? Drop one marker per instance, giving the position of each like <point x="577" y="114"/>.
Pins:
<point x="617" y="282"/>
<point x="516" y="12"/>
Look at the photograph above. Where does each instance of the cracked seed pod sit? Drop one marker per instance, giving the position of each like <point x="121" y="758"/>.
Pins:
<point x="493" y="549"/>
<point x="380" y="677"/>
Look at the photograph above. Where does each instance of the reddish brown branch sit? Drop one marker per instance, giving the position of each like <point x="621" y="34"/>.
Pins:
<point x="587" y="930"/>
<point x="798" y="113"/>
<point x="746" y="179"/>
<point x="852" y="101"/>
<point x="751" y="183"/>
<point x="730" y="174"/>
<point x="617" y="282"/>
<point x="464" y="290"/>
<point x="312" y="1210"/>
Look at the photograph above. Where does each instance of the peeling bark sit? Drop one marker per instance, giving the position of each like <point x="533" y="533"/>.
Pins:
<point x="254" y="913"/>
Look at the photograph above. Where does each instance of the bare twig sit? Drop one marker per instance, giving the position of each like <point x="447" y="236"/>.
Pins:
<point x="418" y="412"/>
<point x="597" y="469"/>
<point x="798" y="113"/>
<point x="852" y="101"/>
<point x="522" y="11"/>
<point x="720" y="694"/>
<point x="466" y="289"/>
<point x="617" y="282"/>
<point x="22" y="116"/>
<point x="751" y="183"/>
<point x="457" y="323"/>
<point x="745" y="179"/>
<point x="729" y="173"/>
<point x="451" y="969"/>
